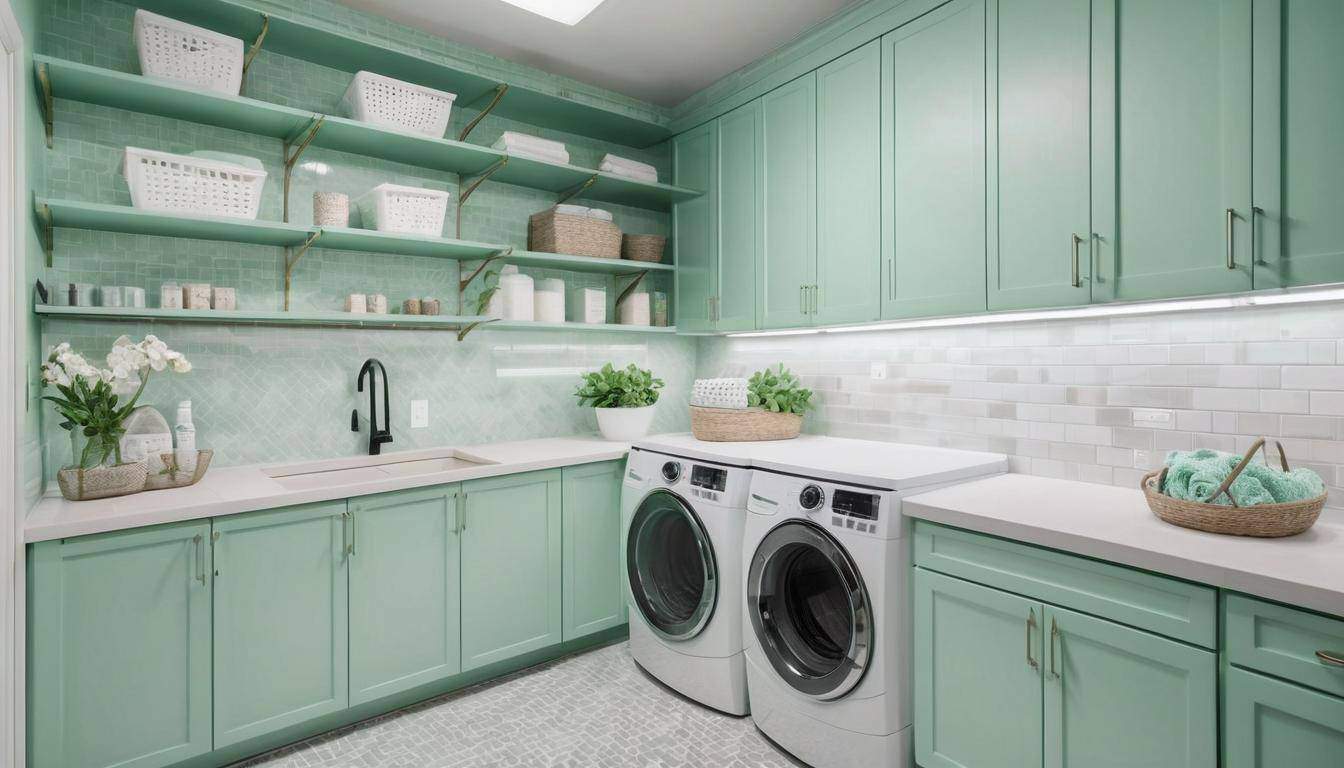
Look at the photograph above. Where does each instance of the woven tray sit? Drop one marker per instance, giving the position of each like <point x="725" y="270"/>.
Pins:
<point x="732" y="425"/>
<point x="102" y="482"/>
<point x="1262" y="520"/>
<point x="643" y="248"/>
<point x="553" y="232"/>
<point x="173" y="476"/>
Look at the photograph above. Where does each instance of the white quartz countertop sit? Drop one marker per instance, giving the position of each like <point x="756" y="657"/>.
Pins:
<point x="232" y="490"/>
<point x="1115" y="524"/>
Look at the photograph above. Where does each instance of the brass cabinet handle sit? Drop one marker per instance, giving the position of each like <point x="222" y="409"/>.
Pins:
<point x="1054" y="637"/>
<point x="1031" y="626"/>
<point x="1231" y="254"/>
<point x="816" y="298"/>
<point x="1333" y="658"/>
<point x="457" y="513"/>
<point x="199" y="541"/>
<point x="1077" y="280"/>
<point x="462" y="512"/>
<point x="214" y="558"/>
<point x="347" y="546"/>
<point x="1256" y="213"/>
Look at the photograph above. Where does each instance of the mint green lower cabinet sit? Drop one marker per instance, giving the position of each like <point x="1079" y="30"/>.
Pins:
<point x="933" y="163"/>
<point x="511" y="574"/>
<point x="405" y="591"/>
<point x="592" y="539"/>
<point x="977" y="657"/>
<point x="280" y="629"/>
<point x="1116" y="696"/>
<point x="119" y="649"/>
<point x="1269" y="723"/>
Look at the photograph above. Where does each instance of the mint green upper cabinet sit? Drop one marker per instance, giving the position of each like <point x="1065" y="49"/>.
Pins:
<point x="788" y="265"/>
<point x="1041" y="154"/>
<point x="1116" y="696"/>
<point x="1269" y="723"/>
<point x="280" y="619"/>
<point x="849" y="187"/>
<point x="741" y="217"/>
<point x="511" y="575"/>
<point x="591" y="498"/>
<point x="977" y="662"/>
<point x="119" y="649"/>
<point x="694" y="229"/>
<point x="1172" y="147"/>
<point x="404" y="590"/>
<point x="933" y="160"/>
<point x="1299" y="162"/>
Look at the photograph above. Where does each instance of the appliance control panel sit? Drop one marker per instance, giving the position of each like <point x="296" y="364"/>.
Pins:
<point x="722" y="485"/>
<point x="838" y="508"/>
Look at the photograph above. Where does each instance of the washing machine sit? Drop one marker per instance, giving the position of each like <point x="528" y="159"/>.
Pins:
<point x="827" y="594"/>
<point x="682" y="520"/>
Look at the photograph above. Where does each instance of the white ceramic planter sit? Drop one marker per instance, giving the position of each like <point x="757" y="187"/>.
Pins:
<point x="624" y="424"/>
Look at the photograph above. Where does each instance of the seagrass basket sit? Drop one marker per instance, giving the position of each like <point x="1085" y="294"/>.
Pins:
<point x="1262" y="520"/>
<point x="643" y="248"/>
<point x="553" y="232"/>
<point x="732" y="425"/>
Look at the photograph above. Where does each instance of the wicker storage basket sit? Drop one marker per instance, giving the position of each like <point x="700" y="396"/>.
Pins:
<point x="733" y="425"/>
<point x="1263" y="520"/>
<point x="554" y="232"/>
<point x="175" y="476"/>
<point x="102" y="482"/>
<point x="643" y="247"/>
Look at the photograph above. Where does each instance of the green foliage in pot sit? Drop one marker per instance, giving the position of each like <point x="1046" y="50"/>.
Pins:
<point x="629" y="387"/>
<point x="777" y="390"/>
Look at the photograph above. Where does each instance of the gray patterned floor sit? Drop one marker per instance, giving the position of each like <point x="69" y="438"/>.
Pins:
<point x="594" y="709"/>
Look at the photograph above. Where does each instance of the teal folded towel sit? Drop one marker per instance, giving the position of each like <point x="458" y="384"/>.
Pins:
<point x="1196" y="475"/>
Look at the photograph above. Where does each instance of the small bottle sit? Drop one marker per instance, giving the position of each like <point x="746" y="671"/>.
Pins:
<point x="186" y="438"/>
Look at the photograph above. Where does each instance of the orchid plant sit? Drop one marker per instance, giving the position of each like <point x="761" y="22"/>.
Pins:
<point x="89" y="398"/>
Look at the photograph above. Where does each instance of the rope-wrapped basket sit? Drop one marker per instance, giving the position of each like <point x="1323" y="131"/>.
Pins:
<point x="736" y="425"/>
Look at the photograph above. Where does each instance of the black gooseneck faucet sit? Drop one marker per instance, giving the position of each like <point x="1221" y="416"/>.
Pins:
<point x="376" y="436"/>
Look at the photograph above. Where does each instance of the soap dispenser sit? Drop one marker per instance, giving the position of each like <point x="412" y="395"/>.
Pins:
<point x="185" y="431"/>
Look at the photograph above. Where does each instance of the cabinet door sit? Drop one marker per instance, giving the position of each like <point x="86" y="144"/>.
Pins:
<point x="511" y="578"/>
<point x="1273" y="724"/>
<point x="977" y="675"/>
<point x="1299" y="165"/>
<point x="789" y="256"/>
<point x="694" y="229"/>
<point x="933" y="158"/>
<point x="849" y="187"/>
<point x="1040" y="177"/>
<point x="405" y="591"/>
<point x="1172" y="147"/>
<point x="592" y="557"/>
<point x="280" y="619"/>
<point x="1116" y="696"/>
<point x="741" y="217"/>
<point x="119" y="649"/>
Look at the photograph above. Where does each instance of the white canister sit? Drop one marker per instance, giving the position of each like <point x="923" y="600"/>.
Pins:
<point x="634" y="310"/>
<point x="170" y="296"/>
<point x="132" y="296"/>
<point x="109" y="295"/>
<point x="517" y="290"/>
<point x="357" y="303"/>
<point x="196" y="295"/>
<point x="224" y="298"/>
<point x="588" y="305"/>
<point x="548" y="302"/>
<point x="331" y="209"/>
<point x="377" y="303"/>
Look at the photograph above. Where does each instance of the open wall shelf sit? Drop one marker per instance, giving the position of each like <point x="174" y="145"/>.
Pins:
<point x="254" y="317"/>
<point x="135" y="93"/>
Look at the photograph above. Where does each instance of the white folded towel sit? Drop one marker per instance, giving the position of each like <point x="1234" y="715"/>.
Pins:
<point x="572" y="210"/>
<point x="599" y="214"/>
<point x="629" y="174"/>
<point x="545" y="157"/>
<point x="612" y="163"/>
<point x="514" y="140"/>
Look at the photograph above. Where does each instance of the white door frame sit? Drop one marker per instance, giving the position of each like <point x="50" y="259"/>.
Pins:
<point x="14" y="226"/>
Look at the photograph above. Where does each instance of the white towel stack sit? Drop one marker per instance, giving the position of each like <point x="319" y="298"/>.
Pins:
<point x="583" y="210"/>
<point x="532" y="147"/>
<point x="631" y="169"/>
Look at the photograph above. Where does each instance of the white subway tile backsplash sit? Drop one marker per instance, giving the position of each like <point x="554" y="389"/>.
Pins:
<point x="1225" y="399"/>
<point x="1327" y="403"/>
<point x="1328" y="377"/>
<point x="1285" y="401"/>
<point x="1309" y="426"/>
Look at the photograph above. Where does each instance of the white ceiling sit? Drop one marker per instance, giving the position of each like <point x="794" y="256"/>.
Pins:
<point x="660" y="51"/>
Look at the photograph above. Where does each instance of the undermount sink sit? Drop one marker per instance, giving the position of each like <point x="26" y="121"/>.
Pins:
<point x="323" y="474"/>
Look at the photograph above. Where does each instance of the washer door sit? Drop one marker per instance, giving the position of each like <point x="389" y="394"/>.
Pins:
<point x="670" y="562"/>
<point x="810" y="610"/>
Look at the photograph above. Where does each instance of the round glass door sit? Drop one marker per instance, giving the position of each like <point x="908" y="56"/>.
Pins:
<point x="670" y="562"/>
<point x="810" y="610"/>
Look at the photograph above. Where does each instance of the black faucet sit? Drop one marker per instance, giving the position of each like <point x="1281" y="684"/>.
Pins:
<point x="376" y="436"/>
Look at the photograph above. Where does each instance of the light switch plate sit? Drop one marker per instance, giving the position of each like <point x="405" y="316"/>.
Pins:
<point x="419" y="414"/>
<point x="879" y="371"/>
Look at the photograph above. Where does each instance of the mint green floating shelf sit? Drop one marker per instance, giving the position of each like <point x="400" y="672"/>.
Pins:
<point x="523" y="325"/>
<point x="133" y="221"/>
<point x="371" y="241"/>
<point x="252" y="317"/>
<point x="584" y="263"/>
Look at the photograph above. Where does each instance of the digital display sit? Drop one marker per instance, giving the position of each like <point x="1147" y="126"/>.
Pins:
<point x="861" y="505"/>
<point x="713" y="478"/>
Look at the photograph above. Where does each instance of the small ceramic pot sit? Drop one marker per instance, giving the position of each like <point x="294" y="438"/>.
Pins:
<point x="624" y="424"/>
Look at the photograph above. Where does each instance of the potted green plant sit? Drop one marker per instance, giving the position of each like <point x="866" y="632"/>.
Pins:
<point x="623" y="399"/>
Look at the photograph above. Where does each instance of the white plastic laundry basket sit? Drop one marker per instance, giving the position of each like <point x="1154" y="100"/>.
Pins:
<point x="374" y="98"/>
<point x="179" y="51"/>
<point x="161" y="181"/>
<point x="407" y="210"/>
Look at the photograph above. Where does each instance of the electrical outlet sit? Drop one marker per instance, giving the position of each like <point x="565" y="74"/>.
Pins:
<point x="1152" y="416"/>
<point x="879" y="371"/>
<point x="419" y="414"/>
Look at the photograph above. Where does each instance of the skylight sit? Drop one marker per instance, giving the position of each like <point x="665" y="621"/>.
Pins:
<point x="569" y="12"/>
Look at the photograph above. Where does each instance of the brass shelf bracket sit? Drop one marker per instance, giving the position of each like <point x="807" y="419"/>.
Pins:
<point x="292" y="259"/>
<point x="572" y="192"/>
<point x="48" y="103"/>
<point x="256" y="46"/>
<point x="467" y="186"/>
<point x="500" y="90"/>
<point x="462" y="334"/>
<point x="629" y="289"/>
<point x="299" y="142"/>
<point x="496" y="256"/>
<point x="48" y="236"/>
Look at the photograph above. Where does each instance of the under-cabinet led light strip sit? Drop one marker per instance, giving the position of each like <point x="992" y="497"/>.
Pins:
<point x="1289" y="296"/>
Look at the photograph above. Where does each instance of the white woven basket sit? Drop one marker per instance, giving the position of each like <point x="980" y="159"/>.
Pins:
<point x="161" y="181"/>
<point x="178" y="51"/>
<point x="407" y="210"/>
<point x="719" y="393"/>
<point x="374" y="98"/>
